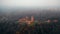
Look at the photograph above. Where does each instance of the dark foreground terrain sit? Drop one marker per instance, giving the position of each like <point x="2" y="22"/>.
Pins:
<point x="9" y="23"/>
<point x="13" y="27"/>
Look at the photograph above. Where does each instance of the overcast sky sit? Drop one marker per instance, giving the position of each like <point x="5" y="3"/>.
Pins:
<point x="30" y="3"/>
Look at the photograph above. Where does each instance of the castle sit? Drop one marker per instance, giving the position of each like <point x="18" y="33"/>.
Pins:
<point x="27" y="20"/>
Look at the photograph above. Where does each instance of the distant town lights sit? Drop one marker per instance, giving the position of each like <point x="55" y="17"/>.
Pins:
<point x="27" y="20"/>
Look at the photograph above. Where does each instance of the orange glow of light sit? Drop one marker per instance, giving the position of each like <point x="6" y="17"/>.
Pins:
<point x="27" y="20"/>
<point x="49" y="21"/>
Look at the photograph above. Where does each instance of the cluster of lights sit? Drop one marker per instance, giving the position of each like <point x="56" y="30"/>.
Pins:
<point x="27" y="20"/>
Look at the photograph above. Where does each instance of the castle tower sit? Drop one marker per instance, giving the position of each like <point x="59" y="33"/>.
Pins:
<point x="27" y="18"/>
<point x="32" y="18"/>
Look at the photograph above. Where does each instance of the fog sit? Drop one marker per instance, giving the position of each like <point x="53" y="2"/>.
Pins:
<point x="29" y="6"/>
<point x="30" y="3"/>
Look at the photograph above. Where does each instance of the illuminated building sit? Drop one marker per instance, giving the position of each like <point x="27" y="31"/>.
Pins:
<point x="32" y="18"/>
<point x="49" y="21"/>
<point x="27" y="20"/>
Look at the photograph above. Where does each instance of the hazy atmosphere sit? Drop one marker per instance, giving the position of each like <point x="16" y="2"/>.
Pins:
<point x="30" y="3"/>
<point x="29" y="16"/>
